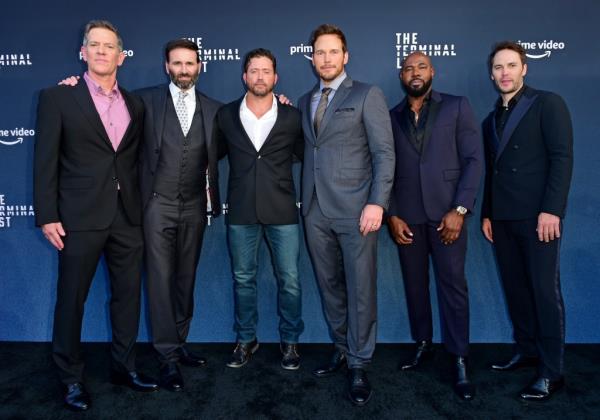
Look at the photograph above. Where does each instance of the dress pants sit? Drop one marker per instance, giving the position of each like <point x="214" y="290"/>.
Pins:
<point x="453" y="297"/>
<point x="530" y="275"/>
<point x="122" y="246"/>
<point x="284" y="242"/>
<point x="345" y="267"/>
<point x="173" y="232"/>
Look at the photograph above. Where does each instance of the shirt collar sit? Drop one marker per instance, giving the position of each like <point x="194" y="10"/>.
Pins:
<point x="335" y="83"/>
<point x="175" y="92"/>
<point x="244" y="106"/>
<point x="513" y="101"/>
<point x="97" y="89"/>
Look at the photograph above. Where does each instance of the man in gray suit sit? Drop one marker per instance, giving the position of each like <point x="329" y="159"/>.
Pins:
<point x="347" y="178"/>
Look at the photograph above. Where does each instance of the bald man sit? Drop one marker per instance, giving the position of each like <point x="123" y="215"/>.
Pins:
<point x="439" y="160"/>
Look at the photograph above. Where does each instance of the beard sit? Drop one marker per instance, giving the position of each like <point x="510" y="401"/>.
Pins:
<point x="183" y="84"/>
<point x="417" y="92"/>
<point x="260" y="90"/>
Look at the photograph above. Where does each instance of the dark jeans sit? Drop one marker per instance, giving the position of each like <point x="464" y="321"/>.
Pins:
<point x="284" y="241"/>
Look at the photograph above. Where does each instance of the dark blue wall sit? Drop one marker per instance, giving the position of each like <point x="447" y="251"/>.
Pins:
<point x="48" y="36"/>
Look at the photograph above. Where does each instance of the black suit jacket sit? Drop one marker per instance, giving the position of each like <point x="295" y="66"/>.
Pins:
<point x="76" y="169"/>
<point x="155" y="102"/>
<point x="261" y="188"/>
<point x="530" y="172"/>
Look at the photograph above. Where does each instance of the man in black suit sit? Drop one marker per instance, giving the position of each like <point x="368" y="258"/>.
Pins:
<point x="529" y="160"/>
<point x="177" y="151"/>
<point x="439" y="162"/>
<point x="261" y="137"/>
<point x="87" y="203"/>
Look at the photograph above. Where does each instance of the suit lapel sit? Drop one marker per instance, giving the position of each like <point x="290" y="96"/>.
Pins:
<point x="400" y="120"/>
<point x="159" y="104"/>
<point x="132" y="118"/>
<point x="278" y="122"/>
<point x="308" y="115"/>
<point x="84" y="100"/>
<point x="235" y="116"/>
<point x="513" y="120"/>
<point x="342" y="92"/>
<point x="435" y="104"/>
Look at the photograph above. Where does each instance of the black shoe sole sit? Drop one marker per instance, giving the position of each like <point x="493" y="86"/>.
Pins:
<point x="290" y="367"/>
<point x="236" y="366"/>
<point x="360" y="404"/>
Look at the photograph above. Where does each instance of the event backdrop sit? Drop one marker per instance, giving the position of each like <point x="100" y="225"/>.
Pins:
<point x="39" y="45"/>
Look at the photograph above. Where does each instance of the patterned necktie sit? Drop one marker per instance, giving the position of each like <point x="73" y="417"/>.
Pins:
<point x="181" y="110"/>
<point x="321" y="108"/>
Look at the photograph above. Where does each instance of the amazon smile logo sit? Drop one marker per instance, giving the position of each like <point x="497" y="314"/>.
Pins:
<point x="15" y="136"/>
<point x="541" y="49"/>
<point x="305" y="50"/>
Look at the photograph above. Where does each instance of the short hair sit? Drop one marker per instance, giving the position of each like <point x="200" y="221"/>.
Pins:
<point x="181" y="43"/>
<point x="507" y="45"/>
<point x="259" y="52"/>
<point x="104" y="24"/>
<point x="328" y="29"/>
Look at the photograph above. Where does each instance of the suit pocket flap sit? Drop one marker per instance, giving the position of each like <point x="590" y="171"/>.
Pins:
<point x="76" y="182"/>
<point x="451" y="174"/>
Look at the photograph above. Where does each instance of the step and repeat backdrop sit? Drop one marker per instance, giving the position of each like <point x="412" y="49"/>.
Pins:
<point x="39" y="45"/>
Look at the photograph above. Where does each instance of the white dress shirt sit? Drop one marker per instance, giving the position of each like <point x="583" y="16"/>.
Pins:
<point x="258" y="129"/>
<point x="190" y="100"/>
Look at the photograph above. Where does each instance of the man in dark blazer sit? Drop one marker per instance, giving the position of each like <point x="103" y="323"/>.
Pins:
<point x="439" y="163"/>
<point x="529" y="161"/>
<point x="87" y="203"/>
<point x="261" y="137"/>
<point x="177" y="151"/>
<point x="346" y="183"/>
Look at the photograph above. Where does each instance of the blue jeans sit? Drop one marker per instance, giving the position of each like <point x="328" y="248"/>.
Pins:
<point x="284" y="242"/>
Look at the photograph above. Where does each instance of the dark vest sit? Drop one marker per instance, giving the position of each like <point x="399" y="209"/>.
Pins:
<point x="181" y="169"/>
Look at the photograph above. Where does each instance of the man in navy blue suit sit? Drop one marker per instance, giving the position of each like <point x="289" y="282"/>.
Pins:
<point x="439" y="160"/>
<point x="529" y="162"/>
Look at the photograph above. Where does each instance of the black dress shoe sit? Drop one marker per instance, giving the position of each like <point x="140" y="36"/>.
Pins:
<point x="134" y="380"/>
<point x="76" y="397"/>
<point x="338" y="360"/>
<point x="424" y="352"/>
<point x="518" y="361"/>
<point x="242" y="353"/>
<point x="359" y="388"/>
<point x="291" y="358"/>
<point x="541" y="389"/>
<point x="170" y="377"/>
<point x="189" y="358"/>
<point x="463" y="386"/>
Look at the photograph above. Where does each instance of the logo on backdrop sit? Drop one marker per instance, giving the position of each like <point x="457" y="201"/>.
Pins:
<point x="305" y="50"/>
<point x="409" y="42"/>
<point x="214" y="54"/>
<point x="15" y="59"/>
<point x="541" y="49"/>
<point x="15" y="136"/>
<point x="9" y="211"/>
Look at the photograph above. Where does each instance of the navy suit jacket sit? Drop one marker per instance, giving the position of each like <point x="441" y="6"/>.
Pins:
<point x="529" y="171"/>
<point x="448" y="171"/>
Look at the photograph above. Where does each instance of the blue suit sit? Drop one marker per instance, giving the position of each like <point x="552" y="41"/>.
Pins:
<point x="427" y="185"/>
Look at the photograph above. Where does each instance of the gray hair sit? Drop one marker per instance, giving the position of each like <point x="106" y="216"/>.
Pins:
<point x="105" y="24"/>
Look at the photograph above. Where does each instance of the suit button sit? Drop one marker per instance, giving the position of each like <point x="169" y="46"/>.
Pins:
<point x="156" y="151"/>
<point x="516" y="146"/>
<point x="514" y="169"/>
<point x="114" y="178"/>
<point x="259" y="156"/>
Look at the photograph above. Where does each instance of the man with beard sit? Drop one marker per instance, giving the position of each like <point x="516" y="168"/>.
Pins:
<point x="439" y="161"/>
<point x="529" y="161"/>
<point x="177" y="151"/>
<point x="346" y="184"/>
<point x="261" y="137"/>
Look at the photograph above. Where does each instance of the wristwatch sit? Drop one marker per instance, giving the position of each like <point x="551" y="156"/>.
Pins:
<point x="461" y="210"/>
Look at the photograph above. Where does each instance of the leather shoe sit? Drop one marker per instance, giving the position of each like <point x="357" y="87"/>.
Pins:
<point x="191" y="359"/>
<point x="134" y="380"/>
<point x="359" y="388"/>
<point x="463" y="386"/>
<point x="337" y="361"/>
<point x="424" y="352"/>
<point x="242" y="353"/>
<point x="518" y="361"/>
<point x="541" y="389"/>
<point x="76" y="397"/>
<point x="291" y="358"/>
<point x="170" y="377"/>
